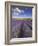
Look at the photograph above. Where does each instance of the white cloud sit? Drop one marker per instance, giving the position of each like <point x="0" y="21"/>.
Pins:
<point x="20" y="11"/>
<point x="16" y="13"/>
<point x="17" y="9"/>
<point x="19" y="16"/>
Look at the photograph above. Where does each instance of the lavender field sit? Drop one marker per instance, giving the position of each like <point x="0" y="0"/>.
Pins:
<point x="21" y="28"/>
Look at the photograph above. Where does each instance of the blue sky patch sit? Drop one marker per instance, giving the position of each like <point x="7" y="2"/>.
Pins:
<point x="21" y="12"/>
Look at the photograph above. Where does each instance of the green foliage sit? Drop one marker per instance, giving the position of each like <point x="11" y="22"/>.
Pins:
<point x="23" y="18"/>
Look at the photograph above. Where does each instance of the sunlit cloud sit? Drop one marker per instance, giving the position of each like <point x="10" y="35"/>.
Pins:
<point x="25" y="16"/>
<point x="19" y="17"/>
<point x="17" y="11"/>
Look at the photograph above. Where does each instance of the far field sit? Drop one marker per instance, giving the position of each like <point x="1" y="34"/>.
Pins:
<point x="21" y="28"/>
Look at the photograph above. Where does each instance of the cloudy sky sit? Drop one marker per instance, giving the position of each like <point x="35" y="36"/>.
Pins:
<point x="21" y="12"/>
